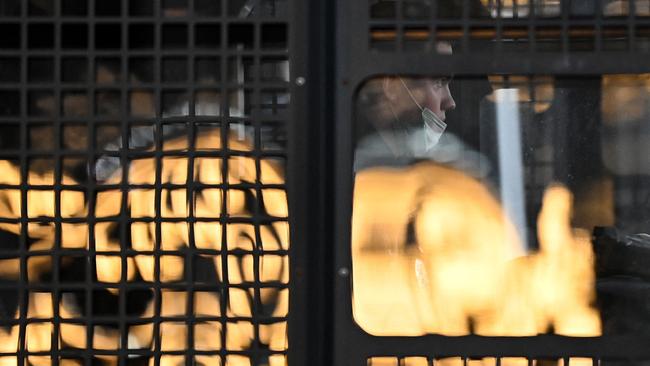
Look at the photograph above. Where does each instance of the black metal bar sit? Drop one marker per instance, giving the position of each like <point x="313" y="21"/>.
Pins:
<point x="58" y="177"/>
<point x="223" y="128"/>
<point x="309" y="172"/>
<point x="123" y="227"/>
<point x="23" y="293"/>
<point x="158" y="146"/>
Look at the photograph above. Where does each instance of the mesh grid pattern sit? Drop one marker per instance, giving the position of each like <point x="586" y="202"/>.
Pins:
<point x="522" y="39"/>
<point x="464" y="361"/>
<point x="480" y="26"/>
<point x="143" y="210"/>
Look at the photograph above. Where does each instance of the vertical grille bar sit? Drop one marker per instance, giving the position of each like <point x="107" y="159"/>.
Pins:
<point x="190" y="260"/>
<point x="58" y="181"/>
<point x="23" y="292"/>
<point x="91" y="263"/>
<point x="223" y="218"/>
<point x="123" y="224"/>
<point x="158" y="141"/>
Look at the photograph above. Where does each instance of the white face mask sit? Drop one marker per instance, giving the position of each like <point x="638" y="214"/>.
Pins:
<point x="433" y="126"/>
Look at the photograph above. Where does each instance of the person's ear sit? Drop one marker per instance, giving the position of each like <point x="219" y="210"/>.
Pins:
<point x="389" y="86"/>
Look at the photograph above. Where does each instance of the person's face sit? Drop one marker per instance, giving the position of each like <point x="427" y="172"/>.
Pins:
<point x="428" y="92"/>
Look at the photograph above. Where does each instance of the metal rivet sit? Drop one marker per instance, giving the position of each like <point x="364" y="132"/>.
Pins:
<point x="343" y="272"/>
<point x="300" y="81"/>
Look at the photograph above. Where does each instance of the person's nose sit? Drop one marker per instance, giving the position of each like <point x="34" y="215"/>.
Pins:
<point x="448" y="103"/>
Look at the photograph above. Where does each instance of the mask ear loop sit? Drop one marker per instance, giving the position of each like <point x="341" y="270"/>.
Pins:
<point x="392" y="110"/>
<point x="411" y="94"/>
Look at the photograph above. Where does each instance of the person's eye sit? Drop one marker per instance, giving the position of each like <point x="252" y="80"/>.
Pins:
<point x="445" y="80"/>
<point x="438" y="83"/>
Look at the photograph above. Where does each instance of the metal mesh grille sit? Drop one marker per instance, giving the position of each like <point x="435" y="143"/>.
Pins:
<point x="464" y="361"/>
<point x="142" y="200"/>
<point x="523" y="42"/>
<point x="486" y="26"/>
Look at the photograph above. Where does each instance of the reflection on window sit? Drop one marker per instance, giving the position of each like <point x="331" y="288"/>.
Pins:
<point x="537" y="90"/>
<point x="501" y="205"/>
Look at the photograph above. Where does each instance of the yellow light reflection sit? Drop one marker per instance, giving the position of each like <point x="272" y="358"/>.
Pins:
<point x="175" y="236"/>
<point x="434" y="253"/>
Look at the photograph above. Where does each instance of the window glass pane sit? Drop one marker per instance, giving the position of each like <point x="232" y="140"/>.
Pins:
<point x="500" y="204"/>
